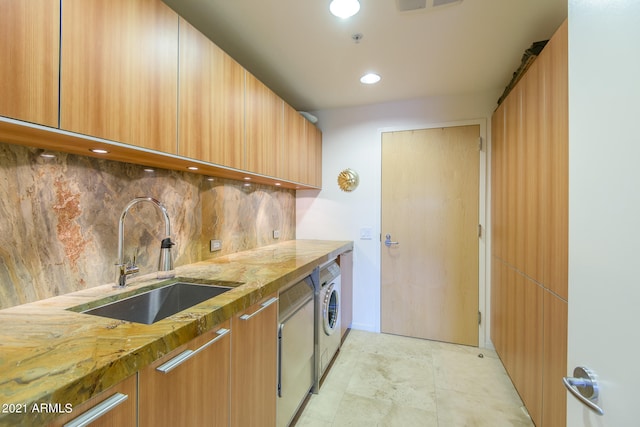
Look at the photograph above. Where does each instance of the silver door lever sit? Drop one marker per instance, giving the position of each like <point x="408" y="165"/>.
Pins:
<point x="584" y="386"/>
<point x="388" y="241"/>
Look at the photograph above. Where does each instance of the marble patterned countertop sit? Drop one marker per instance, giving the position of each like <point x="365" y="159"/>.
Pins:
<point x="51" y="355"/>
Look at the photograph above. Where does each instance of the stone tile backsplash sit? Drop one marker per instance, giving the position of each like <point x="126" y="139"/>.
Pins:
<point x="60" y="217"/>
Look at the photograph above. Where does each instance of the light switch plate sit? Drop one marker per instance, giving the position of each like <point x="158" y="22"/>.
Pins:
<point x="366" y="233"/>
<point x="276" y="234"/>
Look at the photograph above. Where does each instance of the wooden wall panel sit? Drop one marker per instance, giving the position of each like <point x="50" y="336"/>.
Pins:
<point x="558" y="261"/>
<point x="554" y="408"/>
<point x="512" y="109"/>
<point x="497" y="181"/>
<point x="531" y="118"/>
<point x="530" y="232"/>
<point x="530" y="365"/>
<point x="497" y="305"/>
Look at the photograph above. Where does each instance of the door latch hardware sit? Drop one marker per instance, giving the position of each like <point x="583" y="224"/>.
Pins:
<point x="584" y="386"/>
<point x="388" y="243"/>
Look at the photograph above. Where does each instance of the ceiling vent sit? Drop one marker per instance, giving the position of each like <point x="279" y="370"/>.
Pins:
<point x="422" y="5"/>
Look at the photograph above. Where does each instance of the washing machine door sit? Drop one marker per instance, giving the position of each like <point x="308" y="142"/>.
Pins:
<point x="330" y="309"/>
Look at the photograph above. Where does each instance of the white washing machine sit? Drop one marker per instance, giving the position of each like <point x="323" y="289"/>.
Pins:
<point x="327" y="318"/>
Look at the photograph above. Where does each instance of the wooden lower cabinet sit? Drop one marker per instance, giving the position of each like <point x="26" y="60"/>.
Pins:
<point x="190" y="385"/>
<point x="346" y="291"/>
<point x="254" y="365"/>
<point x="122" y="400"/>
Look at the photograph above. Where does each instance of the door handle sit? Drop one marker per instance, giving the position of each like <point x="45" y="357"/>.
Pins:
<point x="388" y="243"/>
<point x="584" y="386"/>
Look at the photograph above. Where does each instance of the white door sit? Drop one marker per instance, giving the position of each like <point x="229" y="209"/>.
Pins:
<point x="604" y="207"/>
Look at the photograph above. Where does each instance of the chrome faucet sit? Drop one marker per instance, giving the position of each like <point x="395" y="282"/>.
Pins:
<point x="165" y="265"/>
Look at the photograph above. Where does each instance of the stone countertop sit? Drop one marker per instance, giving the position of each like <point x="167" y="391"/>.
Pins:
<point x="50" y="355"/>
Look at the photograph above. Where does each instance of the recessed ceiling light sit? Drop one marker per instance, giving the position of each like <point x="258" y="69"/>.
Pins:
<point x="192" y="168"/>
<point x="247" y="178"/>
<point x="99" y="151"/>
<point x="149" y="170"/>
<point x="370" y="78"/>
<point x="277" y="184"/>
<point x="48" y="155"/>
<point x="344" y="8"/>
<point x="211" y="178"/>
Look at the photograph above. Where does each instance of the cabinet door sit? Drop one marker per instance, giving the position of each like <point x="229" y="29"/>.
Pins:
<point x="119" y="71"/>
<point x="189" y="385"/>
<point x="346" y="291"/>
<point x="295" y="146"/>
<point x="120" y="402"/>
<point x="264" y="112"/>
<point x="253" y="365"/>
<point x="211" y="101"/>
<point x="29" y="46"/>
<point x="314" y="155"/>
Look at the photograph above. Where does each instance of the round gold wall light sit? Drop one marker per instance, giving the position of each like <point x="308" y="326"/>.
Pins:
<point x="348" y="180"/>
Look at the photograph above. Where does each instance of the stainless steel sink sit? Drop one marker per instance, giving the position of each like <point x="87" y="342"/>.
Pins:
<point x="155" y="305"/>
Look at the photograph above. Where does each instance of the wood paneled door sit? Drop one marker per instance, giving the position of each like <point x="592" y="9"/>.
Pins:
<point x="430" y="205"/>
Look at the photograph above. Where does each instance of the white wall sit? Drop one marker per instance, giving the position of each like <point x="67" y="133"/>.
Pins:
<point x="351" y="139"/>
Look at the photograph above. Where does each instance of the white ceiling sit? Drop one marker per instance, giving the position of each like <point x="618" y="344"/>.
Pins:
<point x="308" y="57"/>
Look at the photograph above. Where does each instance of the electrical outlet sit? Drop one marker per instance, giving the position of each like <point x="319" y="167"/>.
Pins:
<point x="216" y="245"/>
<point x="276" y="234"/>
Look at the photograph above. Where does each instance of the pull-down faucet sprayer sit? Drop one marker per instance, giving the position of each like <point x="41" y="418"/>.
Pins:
<point x="165" y="263"/>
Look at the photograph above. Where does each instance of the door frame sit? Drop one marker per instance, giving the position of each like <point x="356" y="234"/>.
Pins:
<point x="484" y="272"/>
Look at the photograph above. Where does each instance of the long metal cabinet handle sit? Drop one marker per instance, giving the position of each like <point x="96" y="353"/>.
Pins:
<point x="188" y="354"/>
<point x="264" y="305"/>
<point x="280" y="359"/>
<point x="97" y="411"/>
<point x="584" y="386"/>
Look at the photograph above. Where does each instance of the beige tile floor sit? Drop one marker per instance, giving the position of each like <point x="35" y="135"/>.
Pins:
<point x="387" y="380"/>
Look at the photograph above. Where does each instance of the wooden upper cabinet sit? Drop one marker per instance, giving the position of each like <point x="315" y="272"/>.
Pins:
<point x="314" y="155"/>
<point x="119" y="71"/>
<point x="302" y="149"/>
<point x="211" y="106"/>
<point x="264" y="112"/>
<point x="295" y="146"/>
<point x="29" y="52"/>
